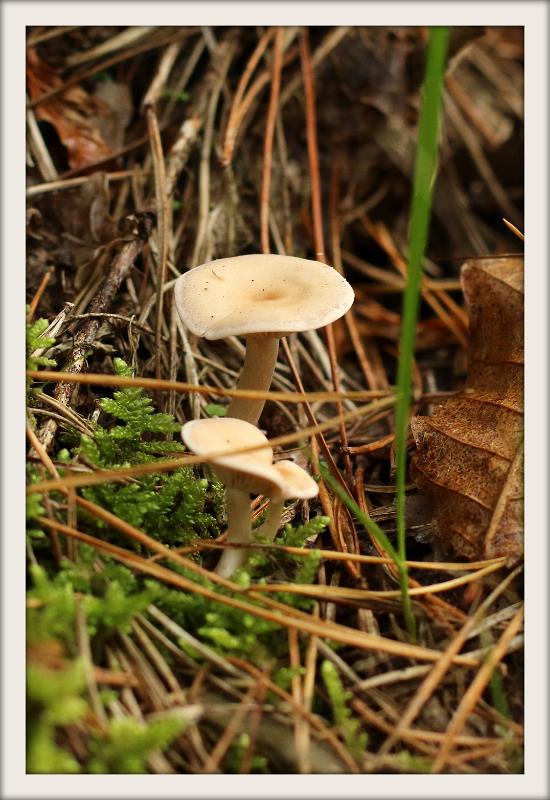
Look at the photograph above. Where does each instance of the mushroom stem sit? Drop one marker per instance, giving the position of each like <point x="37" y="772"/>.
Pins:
<point x="269" y="528"/>
<point x="257" y="373"/>
<point x="239" y="531"/>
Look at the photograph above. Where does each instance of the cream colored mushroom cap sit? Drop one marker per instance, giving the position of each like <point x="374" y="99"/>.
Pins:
<point x="260" y="294"/>
<point x="251" y="472"/>
<point x="298" y="483"/>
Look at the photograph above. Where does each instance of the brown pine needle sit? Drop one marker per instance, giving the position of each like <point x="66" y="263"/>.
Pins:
<point x="335" y="593"/>
<point x="513" y="228"/>
<point x="181" y="387"/>
<point x="474" y="691"/>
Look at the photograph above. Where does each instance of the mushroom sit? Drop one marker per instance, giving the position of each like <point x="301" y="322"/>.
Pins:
<point x="297" y="484"/>
<point x="262" y="297"/>
<point x="245" y="473"/>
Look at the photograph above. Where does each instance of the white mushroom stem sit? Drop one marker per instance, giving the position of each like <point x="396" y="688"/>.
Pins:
<point x="268" y="529"/>
<point x="257" y="373"/>
<point x="239" y="531"/>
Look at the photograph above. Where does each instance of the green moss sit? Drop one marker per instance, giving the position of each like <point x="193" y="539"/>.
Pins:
<point x="172" y="507"/>
<point x="128" y="745"/>
<point x="37" y="341"/>
<point x="54" y="699"/>
<point x="356" y="741"/>
<point x="237" y="751"/>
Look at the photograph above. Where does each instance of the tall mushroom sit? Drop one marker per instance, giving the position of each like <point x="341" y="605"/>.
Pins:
<point x="242" y="474"/>
<point x="262" y="297"/>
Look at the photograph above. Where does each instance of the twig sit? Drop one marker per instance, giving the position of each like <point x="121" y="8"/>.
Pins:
<point x="224" y="57"/>
<point x="39" y="292"/>
<point x="268" y="142"/>
<point x="85" y="337"/>
<point x="231" y="127"/>
<point x="318" y="237"/>
<point x="435" y="676"/>
<point x="118" y="42"/>
<point x="474" y="691"/>
<point x="163" y="226"/>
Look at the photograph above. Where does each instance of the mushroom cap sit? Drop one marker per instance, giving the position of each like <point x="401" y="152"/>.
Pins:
<point x="298" y="483"/>
<point x="250" y="472"/>
<point x="260" y="294"/>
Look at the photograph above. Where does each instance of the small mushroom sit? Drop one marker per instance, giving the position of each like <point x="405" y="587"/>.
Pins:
<point x="241" y="473"/>
<point x="245" y="473"/>
<point x="298" y="484"/>
<point x="262" y="297"/>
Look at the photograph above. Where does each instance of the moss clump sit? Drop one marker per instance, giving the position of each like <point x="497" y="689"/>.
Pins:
<point x="172" y="507"/>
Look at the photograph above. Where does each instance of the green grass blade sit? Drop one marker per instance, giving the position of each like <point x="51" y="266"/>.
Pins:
<point x="424" y="177"/>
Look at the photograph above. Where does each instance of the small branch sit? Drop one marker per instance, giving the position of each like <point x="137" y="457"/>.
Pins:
<point x="163" y="222"/>
<point x="85" y="336"/>
<point x="268" y="143"/>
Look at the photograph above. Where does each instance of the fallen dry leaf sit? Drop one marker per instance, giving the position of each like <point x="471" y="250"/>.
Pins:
<point x="72" y="113"/>
<point x="470" y="451"/>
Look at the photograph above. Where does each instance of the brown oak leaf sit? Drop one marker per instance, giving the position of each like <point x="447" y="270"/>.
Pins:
<point x="73" y="113"/>
<point x="469" y="458"/>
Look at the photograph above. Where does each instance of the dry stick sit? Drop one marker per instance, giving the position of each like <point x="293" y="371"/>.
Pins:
<point x="423" y="742"/>
<point x="314" y="171"/>
<point x="313" y="720"/>
<point x="39" y="149"/>
<point x="328" y="44"/>
<point x="301" y="737"/>
<point x="85" y="336"/>
<point x="500" y="505"/>
<point x="72" y="174"/>
<point x="163" y="71"/>
<point x="163" y="223"/>
<point x="428" y="284"/>
<point x="231" y="730"/>
<point x="71" y="183"/>
<point x="181" y="150"/>
<point x="49" y="33"/>
<point x="234" y="114"/>
<point x="225" y="54"/>
<point x="372" y="447"/>
<point x="514" y="230"/>
<point x="310" y="664"/>
<point x="181" y="387"/>
<point x="173" y="360"/>
<point x="349" y="317"/>
<point x="315" y="427"/>
<point x="183" y="79"/>
<point x="382" y="236"/>
<point x="479" y="158"/>
<point x="88" y="664"/>
<point x="474" y="691"/>
<point x="117" y="42"/>
<point x="338" y="593"/>
<point x="39" y="292"/>
<point x="251" y="95"/>
<point x="254" y="727"/>
<point x="435" y="676"/>
<point x="268" y="142"/>
<point x="332" y="555"/>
